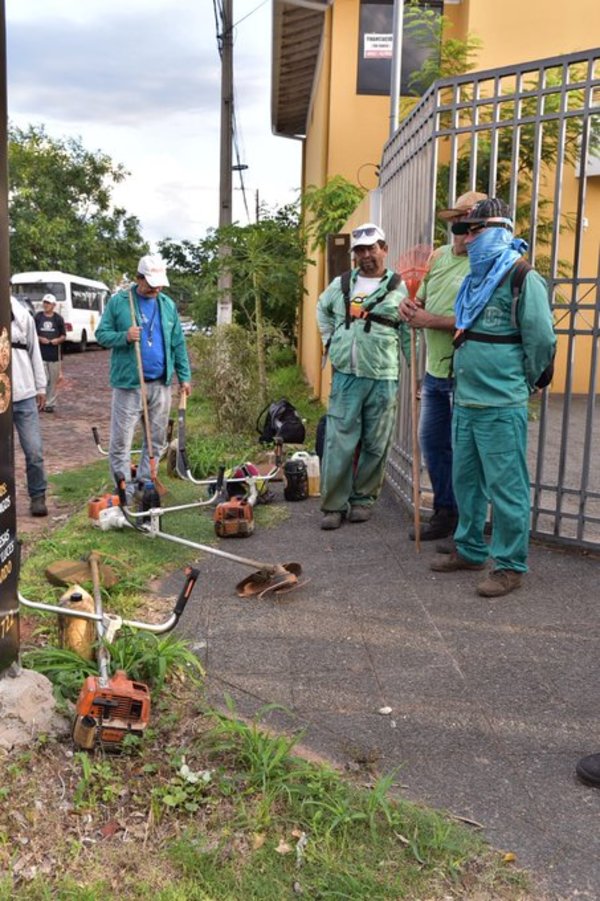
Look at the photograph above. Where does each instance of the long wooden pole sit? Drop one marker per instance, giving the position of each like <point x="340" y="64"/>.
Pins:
<point x="416" y="455"/>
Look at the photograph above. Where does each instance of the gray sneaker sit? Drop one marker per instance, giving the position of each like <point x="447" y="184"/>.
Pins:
<point x="332" y="519"/>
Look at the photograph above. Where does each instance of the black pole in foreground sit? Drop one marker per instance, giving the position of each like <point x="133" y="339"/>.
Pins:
<point x="9" y="563"/>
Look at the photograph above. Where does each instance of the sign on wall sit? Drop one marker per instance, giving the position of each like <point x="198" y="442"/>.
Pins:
<point x="375" y="49"/>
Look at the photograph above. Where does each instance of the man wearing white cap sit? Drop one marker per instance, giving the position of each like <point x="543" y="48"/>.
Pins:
<point x="157" y="328"/>
<point x="52" y="333"/>
<point x="362" y="330"/>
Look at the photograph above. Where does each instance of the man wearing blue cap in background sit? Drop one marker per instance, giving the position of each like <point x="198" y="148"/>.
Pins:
<point x="502" y="350"/>
<point x="360" y="326"/>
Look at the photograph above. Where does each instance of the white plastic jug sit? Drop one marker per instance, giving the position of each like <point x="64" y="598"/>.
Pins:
<point x="314" y="476"/>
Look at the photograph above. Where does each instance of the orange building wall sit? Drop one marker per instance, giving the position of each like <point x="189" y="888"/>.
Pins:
<point x="347" y="132"/>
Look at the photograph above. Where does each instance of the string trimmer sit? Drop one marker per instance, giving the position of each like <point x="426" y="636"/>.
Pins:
<point x="268" y="578"/>
<point x="110" y="707"/>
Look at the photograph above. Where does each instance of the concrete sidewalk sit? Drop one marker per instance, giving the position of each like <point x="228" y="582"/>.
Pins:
<point x="493" y="701"/>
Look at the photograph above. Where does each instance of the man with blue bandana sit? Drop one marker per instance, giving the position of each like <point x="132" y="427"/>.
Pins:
<point x="502" y="349"/>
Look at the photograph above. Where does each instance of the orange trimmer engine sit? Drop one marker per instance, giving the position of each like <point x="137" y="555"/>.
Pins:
<point x="96" y="504"/>
<point x="109" y="709"/>
<point x="234" y="518"/>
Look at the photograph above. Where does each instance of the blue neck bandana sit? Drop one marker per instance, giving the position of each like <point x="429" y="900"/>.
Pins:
<point x="493" y="252"/>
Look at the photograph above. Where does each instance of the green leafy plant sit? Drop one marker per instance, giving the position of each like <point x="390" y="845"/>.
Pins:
<point x="329" y="206"/>
<point x="186" y="790"/>
<point x="151" y="658"/>
<point x="99" y="782"/>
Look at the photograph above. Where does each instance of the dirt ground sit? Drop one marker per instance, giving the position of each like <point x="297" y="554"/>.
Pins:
<point x="83" y="402"/>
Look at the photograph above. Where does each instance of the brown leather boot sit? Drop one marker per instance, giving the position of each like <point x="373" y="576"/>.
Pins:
<point x="500" y="582"/>
<point x="450" y="563"/>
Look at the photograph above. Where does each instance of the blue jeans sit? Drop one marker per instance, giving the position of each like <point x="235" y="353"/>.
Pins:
<point x="126" y="413"/>
<point x="26" y="420"/>
<point x="435" y="438"/>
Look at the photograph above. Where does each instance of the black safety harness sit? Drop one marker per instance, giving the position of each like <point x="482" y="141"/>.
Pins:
<point x="519" y="273"/>
<point x="366" y="314"/>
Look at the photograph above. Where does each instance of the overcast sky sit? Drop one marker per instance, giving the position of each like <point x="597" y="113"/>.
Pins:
<point x="140" y="81"/>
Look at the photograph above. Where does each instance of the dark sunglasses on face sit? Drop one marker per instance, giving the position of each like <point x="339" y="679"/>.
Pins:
<point x="364" y="232"/>
<point x="471" y="228"/>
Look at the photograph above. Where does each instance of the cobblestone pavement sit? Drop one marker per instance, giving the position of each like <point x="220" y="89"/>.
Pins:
<point x="83" y="401"/>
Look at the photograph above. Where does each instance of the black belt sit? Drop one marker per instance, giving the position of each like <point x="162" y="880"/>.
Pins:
<point x="161" y="378"/>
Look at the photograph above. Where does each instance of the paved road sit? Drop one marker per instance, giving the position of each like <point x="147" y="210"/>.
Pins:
<point x="493" y="702"/>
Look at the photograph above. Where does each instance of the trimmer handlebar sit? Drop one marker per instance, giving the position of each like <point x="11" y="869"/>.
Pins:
<point x="191" y="578"/>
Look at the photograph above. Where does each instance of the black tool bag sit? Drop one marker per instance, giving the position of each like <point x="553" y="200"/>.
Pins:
<point x="296" y="480"/>
<point x="280" y="420"/>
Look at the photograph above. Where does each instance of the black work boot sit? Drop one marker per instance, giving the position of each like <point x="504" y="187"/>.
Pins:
<point x="38" y="505"/>
<point x="441" y="525"/>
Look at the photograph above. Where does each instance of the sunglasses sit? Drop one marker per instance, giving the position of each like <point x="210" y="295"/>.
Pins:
<point x="471" y="228"/>
<point x="364" y="232"/>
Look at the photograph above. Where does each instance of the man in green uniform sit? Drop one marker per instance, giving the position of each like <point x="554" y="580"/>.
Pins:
<point x="433" y="311"/>
<point x="502" y="349"/>
<point x="361" y="327"/>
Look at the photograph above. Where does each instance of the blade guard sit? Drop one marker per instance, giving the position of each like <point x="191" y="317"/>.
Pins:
<point x="280" y="580"/>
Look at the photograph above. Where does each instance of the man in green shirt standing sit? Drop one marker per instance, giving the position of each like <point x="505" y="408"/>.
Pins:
<point x="504" y="345"/>
<point x="434" y="312"/>
<point x="362" y="330"/>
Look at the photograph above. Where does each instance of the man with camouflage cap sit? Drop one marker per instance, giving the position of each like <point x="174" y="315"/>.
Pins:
<point x="503" y="345"/>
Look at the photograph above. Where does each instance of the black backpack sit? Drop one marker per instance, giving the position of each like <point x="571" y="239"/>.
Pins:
<point x="280" y="420"/>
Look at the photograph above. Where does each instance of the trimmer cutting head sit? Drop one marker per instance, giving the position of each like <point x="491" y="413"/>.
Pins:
<point x="279" y="579"/>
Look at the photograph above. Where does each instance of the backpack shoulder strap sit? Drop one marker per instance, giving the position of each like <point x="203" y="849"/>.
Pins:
<point x="392" y="284"/>
<point x="518" y="275"/>
<point x="345" y="278"/>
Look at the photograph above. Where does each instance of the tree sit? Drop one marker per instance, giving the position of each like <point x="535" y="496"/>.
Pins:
<point x="329" y="207"/>
<point x="275" y="245"/>
<point x="60" y="209"/>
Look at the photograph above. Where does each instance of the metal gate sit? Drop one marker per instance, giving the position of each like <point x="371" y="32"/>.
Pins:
<point x="528" y="133"/>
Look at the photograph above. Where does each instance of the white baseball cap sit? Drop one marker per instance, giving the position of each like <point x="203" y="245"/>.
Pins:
<point x="366" y="235"/>
<point x="154" y="270"/>
<point x="49" y="298"/>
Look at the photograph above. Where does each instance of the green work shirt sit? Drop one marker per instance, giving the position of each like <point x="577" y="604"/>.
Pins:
<point x="504" y="375"/>
<point x="438" y="290"/>
<point x="372" y="354"/>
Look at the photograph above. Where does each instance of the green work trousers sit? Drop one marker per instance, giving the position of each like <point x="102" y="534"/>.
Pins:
<point x="361" y="412"/>
<point x="490" y="464"/>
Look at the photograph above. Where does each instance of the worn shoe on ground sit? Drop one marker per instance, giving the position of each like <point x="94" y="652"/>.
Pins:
<point x="331" y="520"/>
<point x="447" y="546"/>
<point x="500" y="582"/>
<point x="450" y="563"/>
<point x="588" y="769"/>
<point x="38" y="505"/>
<point x="359" y="513"/>
<point x="441" y="525"/>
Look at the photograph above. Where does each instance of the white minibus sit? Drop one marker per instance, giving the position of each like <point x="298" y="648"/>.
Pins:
<point x="80" y="301"/>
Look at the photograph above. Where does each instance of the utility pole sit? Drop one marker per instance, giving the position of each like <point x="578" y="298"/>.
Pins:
<point x="224" y="305"/>
<point x="397" y="29"/>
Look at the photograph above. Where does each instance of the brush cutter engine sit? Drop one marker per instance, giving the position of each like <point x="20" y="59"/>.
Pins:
<point x="234" y="518"/>
<point x="109" y="709"/>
